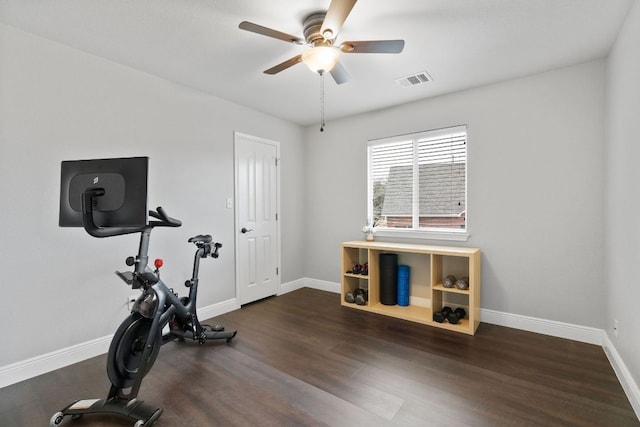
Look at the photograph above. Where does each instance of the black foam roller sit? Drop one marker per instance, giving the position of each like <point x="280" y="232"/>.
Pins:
<point x="388" y="279"/>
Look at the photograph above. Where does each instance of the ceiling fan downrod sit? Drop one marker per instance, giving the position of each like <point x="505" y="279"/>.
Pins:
<point x="321" y="101"/>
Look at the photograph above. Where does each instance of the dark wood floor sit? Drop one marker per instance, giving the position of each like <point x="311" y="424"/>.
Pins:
<point x="303" y="360"/>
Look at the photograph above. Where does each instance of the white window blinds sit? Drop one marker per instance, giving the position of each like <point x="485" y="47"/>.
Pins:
<point x="418" y="181"/>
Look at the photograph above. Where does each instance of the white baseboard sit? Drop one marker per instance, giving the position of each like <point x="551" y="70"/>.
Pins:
<point x="309" y="283"/>
<point x="218" y="309"/>
<point x="323" y="285"/>
<point x="25" y="369"/>
<point x="542" y="326"/>
<point x="624" y="376"/>
<point x="291" y="286"/>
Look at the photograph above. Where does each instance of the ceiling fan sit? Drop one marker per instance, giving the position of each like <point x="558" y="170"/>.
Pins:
<point x="320" y="31"/>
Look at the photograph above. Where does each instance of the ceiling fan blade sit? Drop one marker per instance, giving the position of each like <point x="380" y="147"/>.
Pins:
<point x="259" y="29"/>
<point x="336" y="15"/>
<point x="339" y="73"/>
<point x="373" y="46"/>
<point x="284" y="65"/>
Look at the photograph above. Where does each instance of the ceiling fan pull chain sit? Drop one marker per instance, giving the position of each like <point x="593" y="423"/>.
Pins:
<point x="321" y="101"/>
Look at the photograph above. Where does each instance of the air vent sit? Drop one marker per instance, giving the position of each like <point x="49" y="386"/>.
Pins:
<point x="414" y="79"/>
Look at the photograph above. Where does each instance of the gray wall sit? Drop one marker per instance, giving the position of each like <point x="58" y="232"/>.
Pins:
<point x="535" y="188"/>
<point x="58" y="103"/>
<point x="622" y="201"/>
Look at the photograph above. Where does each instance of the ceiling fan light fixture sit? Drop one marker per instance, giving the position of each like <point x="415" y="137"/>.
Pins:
<point x="321" y="59"/>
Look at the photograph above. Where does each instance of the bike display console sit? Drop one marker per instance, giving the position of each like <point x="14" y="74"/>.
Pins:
<point x="429" y="268"/>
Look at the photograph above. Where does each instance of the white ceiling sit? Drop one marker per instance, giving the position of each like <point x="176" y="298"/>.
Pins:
<point x="197" y="43"/>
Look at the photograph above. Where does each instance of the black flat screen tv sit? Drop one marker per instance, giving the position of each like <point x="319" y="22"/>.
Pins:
<point x="124" y="181"/>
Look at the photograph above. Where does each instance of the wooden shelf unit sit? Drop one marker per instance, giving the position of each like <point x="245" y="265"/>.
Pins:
<point x="429" y="265"/>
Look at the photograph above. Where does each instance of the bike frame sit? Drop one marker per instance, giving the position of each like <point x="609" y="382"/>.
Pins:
<point x="158" y="303"/>
<point x="161" y="296"/>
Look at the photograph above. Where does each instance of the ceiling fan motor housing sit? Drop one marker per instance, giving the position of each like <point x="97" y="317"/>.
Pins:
<point x="312" y="26"/>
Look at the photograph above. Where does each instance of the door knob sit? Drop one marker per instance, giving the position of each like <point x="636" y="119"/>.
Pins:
<point x="246" y="230"/>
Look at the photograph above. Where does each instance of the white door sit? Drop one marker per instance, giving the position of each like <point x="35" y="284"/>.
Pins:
<point x="257" y="231"/>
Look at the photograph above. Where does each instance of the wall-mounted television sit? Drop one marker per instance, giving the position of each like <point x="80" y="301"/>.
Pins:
<point x="124" y="182"/>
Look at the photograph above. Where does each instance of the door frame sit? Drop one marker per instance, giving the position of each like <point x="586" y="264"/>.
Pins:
<point x="239" y="136"/>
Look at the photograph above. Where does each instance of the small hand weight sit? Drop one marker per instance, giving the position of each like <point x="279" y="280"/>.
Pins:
<point x="449" y="281"/>
<point x="362" y="296"/>
<point x="455" y="317"/>
<point x="463" y="283"/>
<point x="441" y="316"/>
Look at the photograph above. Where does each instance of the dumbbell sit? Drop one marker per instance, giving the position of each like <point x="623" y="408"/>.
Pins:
<point x="350" y="297"/>
<point x="463" y="283"/>
<point x="449" y="281"/>
<point x="456" y="316"/>
<point x="359" y="296"/>
<point x="441" y="315"/>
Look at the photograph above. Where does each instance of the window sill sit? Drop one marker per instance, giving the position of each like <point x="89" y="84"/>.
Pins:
<point x="454" y="236"/>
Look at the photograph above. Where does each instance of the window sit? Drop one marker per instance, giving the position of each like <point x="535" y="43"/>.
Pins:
<point x="418" y="184"/>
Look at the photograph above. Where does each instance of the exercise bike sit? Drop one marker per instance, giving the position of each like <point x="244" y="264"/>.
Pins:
<point x="137" y="341"/>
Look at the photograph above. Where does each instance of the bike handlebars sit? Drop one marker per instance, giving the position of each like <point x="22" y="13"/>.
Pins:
<point x="165" y="220"/>
<point x="96" y="231"/>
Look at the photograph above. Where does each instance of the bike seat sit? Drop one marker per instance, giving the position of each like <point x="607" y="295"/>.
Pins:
<point x="201" y="238"/>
